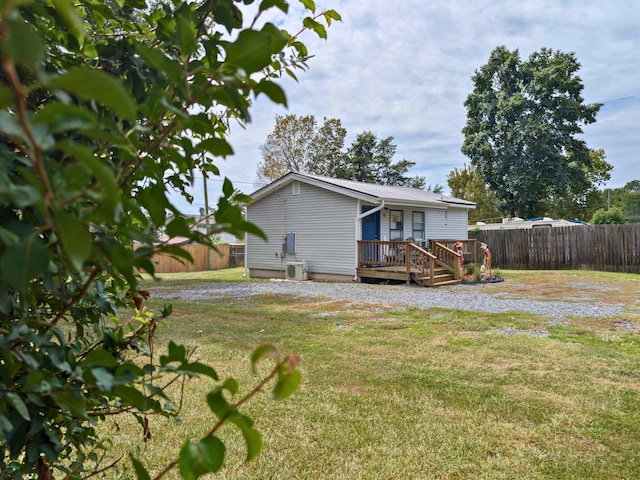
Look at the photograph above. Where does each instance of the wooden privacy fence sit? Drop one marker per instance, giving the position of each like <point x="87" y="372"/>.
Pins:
<point x="226" y="256"/>
<point x="614" y="248"/>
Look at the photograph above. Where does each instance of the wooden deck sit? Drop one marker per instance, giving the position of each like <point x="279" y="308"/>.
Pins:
<point x="406" y="261"/>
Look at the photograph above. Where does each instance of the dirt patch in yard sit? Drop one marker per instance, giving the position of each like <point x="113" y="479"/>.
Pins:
<point x="573" y="286"/>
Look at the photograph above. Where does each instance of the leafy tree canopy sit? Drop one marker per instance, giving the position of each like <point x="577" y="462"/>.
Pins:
<point x="298" y="144"/>
<point x="524" y="120"/>
<point x="627" y="198"/>
<point x="579" y="202"/>
<point x="466" y="183"/>
<point x="106" y="108"/>
<point x="326" y="155"/>
<point x="631" y="201"/>
<point x="435" y="188"/>
<point x="371" y="160"/>
<point x="288" y="147"/>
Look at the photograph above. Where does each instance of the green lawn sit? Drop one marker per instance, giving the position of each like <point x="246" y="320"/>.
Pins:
<point x="225" y="275"/>
<point x="417" y="394"/>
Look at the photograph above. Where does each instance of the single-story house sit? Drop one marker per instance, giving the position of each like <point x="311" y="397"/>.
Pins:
<point x="319" y="223"/>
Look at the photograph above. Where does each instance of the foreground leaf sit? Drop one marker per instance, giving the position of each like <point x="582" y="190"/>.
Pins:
<point x="197" y="459"/>
<point x="286" y="385"/>
<point x="17" y="403"/>
<point x="263" y="351"/>
<point x="141" y="471"/>
<point x="103" y="88"/>
<point x="23" y="44"/>
<point x="252" y="437"/>
<point x="76" y="241"/>
<point x="25" y="260"/>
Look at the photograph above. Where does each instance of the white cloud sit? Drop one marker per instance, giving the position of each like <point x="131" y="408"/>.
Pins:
<point x="403" y="69"/>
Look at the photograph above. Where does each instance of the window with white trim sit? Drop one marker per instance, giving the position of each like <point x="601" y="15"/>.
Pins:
<point x="417" y="227"/>
<point x="396" y="225"/>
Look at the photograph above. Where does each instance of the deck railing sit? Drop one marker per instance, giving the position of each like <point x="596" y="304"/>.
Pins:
<point x="469" y="247"/>
<point x="387" y="253"/>
<point x="400" y="253"/>
<point x="447" y="258"/>
<point x="424" y="261"/>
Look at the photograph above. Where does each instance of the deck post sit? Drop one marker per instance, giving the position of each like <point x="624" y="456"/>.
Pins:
<point x="432" y="268"/>
<point x="407" y="260"/>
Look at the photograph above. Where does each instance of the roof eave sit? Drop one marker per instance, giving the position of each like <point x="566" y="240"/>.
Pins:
<point x="292" y="177"/>
<point x="434" y="204"/>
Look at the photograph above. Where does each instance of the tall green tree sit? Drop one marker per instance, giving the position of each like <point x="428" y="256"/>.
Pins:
<point x="435" y="188"/>
<point x="631" y="201"/>
<point x="297" y="144"/>
<point x="577" y="201"/>
<point x="524" y="120"/>
<point x="466" y="183"/>
<point x="288" y="147"/>
<point x="627" y="198"/>
<point x="106" y="110"/>
<point x="327" y="153"/>
<point x="370" y="160"/>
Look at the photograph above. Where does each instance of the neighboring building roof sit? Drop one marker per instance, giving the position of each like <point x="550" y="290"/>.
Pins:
<point x="163" y="238"/>
<point x="518" y="223"/>
<point x="366" y="191"/>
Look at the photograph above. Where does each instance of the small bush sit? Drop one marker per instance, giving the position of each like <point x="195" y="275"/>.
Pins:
<point x="472" y="272"/>
<point x="612" y="216"/>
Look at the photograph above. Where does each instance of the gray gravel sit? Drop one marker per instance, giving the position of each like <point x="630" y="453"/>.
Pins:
<point x="464" y="297"/>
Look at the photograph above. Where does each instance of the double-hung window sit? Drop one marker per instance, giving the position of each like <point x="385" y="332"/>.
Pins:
<point x="417" y="230"/>
<point x="396" y="225"/>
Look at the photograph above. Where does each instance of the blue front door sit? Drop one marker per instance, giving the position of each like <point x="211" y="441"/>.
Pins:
<point x="371" y="225"/>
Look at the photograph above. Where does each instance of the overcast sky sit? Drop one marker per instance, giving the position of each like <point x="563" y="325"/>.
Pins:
<point x="403" y="69"/>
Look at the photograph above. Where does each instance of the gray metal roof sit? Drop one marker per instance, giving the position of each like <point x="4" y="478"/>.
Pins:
<point x="373" y="192"/>
<point x="386" y="192"/>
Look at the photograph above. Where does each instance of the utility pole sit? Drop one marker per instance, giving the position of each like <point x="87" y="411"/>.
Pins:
<point x="206" y="216"/>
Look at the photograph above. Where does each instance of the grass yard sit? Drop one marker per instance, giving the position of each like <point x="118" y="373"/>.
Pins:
<point x="421" y="394"/>
<point x="225" y="275"/>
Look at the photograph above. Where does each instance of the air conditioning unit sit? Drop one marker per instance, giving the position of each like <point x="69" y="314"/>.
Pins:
<point x="296" y="270"/>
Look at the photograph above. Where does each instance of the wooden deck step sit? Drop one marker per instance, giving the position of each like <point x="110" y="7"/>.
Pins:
<point x="447" y="282"/>
<point x="442" y="276"/>
<point x="424" y="281"/>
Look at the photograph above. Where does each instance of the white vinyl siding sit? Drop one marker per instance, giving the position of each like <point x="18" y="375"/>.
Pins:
<point x="438" y="223"/>
<point x="458" y="223"/>
<point x="323" y="222"/>
<point x="450" y="224"/>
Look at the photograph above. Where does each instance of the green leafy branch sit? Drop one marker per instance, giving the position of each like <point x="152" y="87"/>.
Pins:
<point x="207" y="455"/>
<point x="106" y="110"/>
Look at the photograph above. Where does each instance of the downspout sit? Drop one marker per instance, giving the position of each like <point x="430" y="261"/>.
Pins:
<point x="246" y="256"/>
<point x="356" y="231"/>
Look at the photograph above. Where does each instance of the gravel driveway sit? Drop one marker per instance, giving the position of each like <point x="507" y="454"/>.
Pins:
<point x="464" y="297"/>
